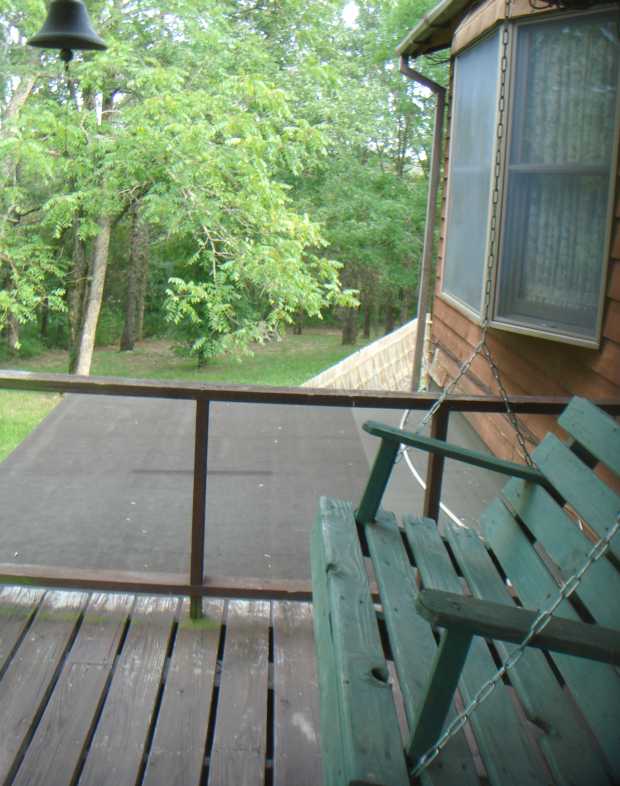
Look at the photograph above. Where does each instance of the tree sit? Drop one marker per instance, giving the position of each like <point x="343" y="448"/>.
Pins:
<point x="203" y="145"/>
<point x="258" y="143"/>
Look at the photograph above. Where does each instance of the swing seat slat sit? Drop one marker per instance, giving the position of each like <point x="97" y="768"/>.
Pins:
<point x="451" y="606"/>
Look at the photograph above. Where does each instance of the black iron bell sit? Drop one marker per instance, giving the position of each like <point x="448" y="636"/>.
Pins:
<point x="67" y="27"/>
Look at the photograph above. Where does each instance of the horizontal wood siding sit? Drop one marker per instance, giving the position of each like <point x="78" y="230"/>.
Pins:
<point x="528" y="366"/>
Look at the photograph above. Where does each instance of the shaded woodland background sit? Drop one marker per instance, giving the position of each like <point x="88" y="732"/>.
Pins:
<point x="223" y="170"/>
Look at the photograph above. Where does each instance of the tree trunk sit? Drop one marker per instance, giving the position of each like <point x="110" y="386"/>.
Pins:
<point x="390" y="317"/>
<point x="45" y="319"/>
<point x="349" y="326"/>
<point x="143" y="241"/>
<point x="19" y="97"/>
<point x="406" y="305"/>
<point x="95" y="297"/>
<point x="134" y="274"/>
<point x="298" y="324"/>
<point x="76" y="295"/>
<point x="368" y="309"/>
<point x="12" y="333"/>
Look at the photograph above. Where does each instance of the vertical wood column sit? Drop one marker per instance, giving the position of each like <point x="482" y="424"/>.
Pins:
<point x="434" y="471"/>
<point x="199" y="506"/>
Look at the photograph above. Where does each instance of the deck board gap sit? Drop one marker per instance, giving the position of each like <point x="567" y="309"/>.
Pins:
<point x="158" y="699"/>
<point x="215" y="697"/>
<point x="21" y="637"/>
<point x="23" y="749"/>
<point x="102" y="699"/>
<point x="270" y="654"/>
<point x="271" y="721"/>
<point x="268" y="773"/>
<point x="269" y="747"/>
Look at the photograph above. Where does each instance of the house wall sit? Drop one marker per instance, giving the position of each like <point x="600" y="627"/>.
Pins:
<point x="528" y="365"/>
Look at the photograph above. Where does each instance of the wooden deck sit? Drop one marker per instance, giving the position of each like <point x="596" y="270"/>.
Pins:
<point x="123" y="689"/>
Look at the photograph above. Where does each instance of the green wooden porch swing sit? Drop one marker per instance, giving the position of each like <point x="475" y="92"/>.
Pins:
<point x="555" y="716"/>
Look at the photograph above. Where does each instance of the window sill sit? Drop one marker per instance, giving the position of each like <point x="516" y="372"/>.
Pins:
<point x="515" y="327"/>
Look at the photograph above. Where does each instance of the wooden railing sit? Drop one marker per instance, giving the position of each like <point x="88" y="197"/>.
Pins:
<point x="197" y="585"/>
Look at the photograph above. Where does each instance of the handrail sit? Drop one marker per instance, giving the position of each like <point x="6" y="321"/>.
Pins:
<point x="296" y="396"/>
<point x="197" y="585"/>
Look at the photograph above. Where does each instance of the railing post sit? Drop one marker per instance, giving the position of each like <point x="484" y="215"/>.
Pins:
<point x="197" y="548"/>
<point x="434" y="467"/>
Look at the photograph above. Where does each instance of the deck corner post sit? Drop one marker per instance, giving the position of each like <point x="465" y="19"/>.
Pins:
<point x="197" y="547"/>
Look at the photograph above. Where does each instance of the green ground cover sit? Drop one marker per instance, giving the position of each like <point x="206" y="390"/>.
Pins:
<point x="288" y="362"/>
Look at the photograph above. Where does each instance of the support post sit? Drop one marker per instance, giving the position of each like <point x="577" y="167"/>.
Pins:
<point x="197" y="548"/>
<point x="447" y="669"/>
<point x="431" y="207"/>
<point x="434" y="467"/>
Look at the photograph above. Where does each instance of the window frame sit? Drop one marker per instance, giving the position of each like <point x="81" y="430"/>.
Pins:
<point x="453" y="299"/>
<point x="513" y="326"/>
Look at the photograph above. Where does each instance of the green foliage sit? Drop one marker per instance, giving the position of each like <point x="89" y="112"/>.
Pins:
<point x="109" y="327"/>
<point x="30" y="346"/>
<point x="277" y="156"/>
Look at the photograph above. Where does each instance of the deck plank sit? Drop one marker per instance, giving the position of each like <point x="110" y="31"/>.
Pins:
<point x="177" y="754"/>
<point x="17" y="605"/>
<point x="57" y="746"/>
<point x="25" y="686"/>
<point x="116" y="753"/>
<point x="239" y="747"/>
<point x="297" y="755"/>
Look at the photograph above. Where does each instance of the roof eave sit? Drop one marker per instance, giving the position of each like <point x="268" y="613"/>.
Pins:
<point x="435" y="30"/>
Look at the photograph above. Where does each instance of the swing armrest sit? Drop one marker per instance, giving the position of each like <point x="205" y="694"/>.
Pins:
<point x="510" y="623"/>
<point x="441" y="448"/>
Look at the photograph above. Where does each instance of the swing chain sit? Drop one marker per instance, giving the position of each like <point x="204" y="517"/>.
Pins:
<point x="509" y="411"/>
<point x="541" y="620"/>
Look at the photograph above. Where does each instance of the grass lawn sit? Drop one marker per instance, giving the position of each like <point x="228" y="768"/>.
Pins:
<point x="288" y="362"/>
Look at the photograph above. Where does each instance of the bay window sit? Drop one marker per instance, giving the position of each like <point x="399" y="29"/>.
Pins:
<point x="556" y="188"/>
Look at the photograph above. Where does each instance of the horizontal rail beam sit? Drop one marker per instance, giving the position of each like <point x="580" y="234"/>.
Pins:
<point x="263" y="394"/>
<point x="154" y="583"/>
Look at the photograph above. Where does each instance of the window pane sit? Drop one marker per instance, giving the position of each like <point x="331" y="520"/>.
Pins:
<point x="471" y="163"/>
<point x="561" y="153"/>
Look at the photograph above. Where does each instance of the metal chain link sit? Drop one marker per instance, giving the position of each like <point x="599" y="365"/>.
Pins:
<point x="525" y="453"/>
<point x="542" y="619"/>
